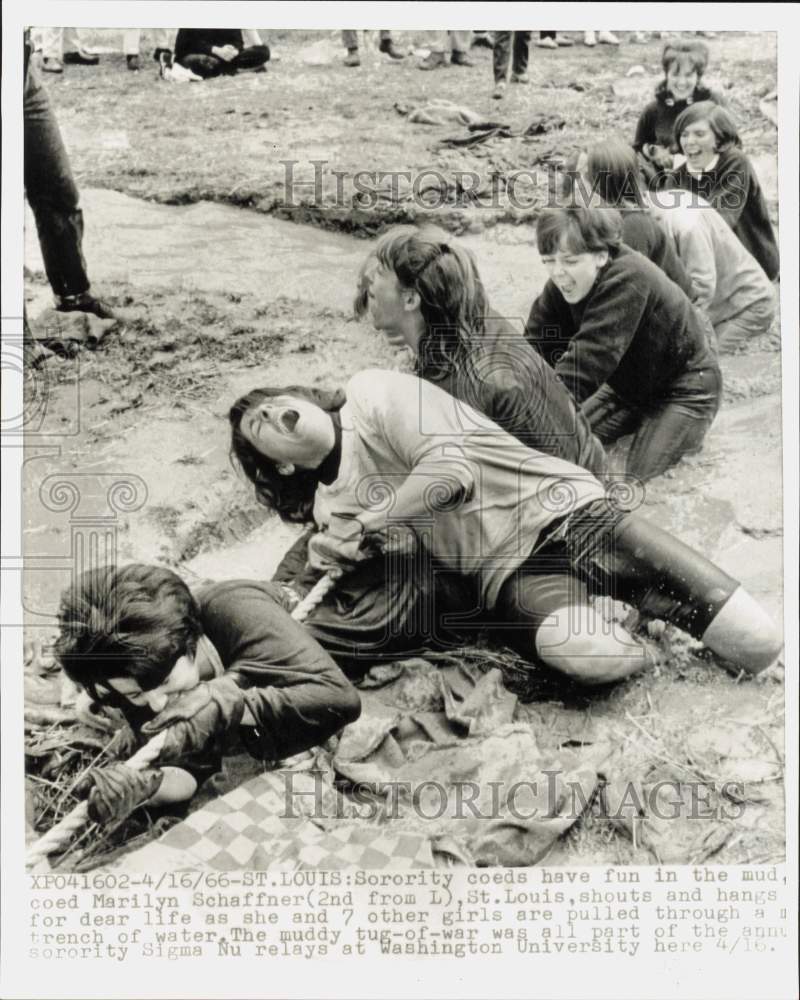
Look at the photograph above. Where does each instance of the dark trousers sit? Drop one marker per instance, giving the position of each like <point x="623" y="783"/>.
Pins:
<point x="663" y="433"/>
<point x="52" y="193"/>
<point x="503" y="51"/>
<point x="207" y="66"/>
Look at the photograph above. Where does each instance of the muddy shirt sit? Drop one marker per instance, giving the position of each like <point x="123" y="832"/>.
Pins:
<point x="635" y="330"/>
<point x="507" y="380"/>
<point x="396" y="425"/>
<point x="297" y="695"/>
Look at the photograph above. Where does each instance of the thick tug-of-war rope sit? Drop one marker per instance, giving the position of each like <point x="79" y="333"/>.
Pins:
<point x="59" y="836"/>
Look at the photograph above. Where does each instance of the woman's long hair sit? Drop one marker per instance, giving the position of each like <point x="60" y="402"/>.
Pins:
<point x="292" y="497"/>
<point x="453" y="300"/>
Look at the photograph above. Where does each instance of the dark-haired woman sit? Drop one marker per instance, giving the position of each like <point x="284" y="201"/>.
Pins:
<point x="625" y="340"/>
<point x="525" y="533"/>
<point x="717" y="170"/>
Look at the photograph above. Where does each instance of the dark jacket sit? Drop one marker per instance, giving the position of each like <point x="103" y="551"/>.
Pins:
<point x="635" y="330"/>
<point x="656" y="123"/>
<point x="733" y="189"/>
<point x="641" y="232"/>
<point x="199" y="41"/>
<point x="512" y="385"/>
<point x="294" y="690"/>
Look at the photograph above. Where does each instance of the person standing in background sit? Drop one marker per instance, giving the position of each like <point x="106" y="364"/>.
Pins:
<point x="506" y="42"/>
<point x="53" y="196"/>
<point x="459" y="43"/>
<point x="63" y="45"/>
<point x="385" y="44"/>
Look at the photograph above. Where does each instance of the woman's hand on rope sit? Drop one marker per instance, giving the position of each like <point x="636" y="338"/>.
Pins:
<point x="115" y="791"/>
<point x="200" y="719"/>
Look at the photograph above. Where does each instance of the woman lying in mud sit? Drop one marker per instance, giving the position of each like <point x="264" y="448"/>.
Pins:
<point x="207" y="670"/>
<point x="522" y="538"/>
<point x="627" y="342"/>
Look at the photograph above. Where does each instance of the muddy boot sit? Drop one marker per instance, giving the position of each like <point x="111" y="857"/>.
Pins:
<point x="435" y="60"/>
<point x="352" y="58"/>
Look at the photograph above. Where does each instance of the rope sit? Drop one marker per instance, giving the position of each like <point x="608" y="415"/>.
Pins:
<point x="58" y="836"/>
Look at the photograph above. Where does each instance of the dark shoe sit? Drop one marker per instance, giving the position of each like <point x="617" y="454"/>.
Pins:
<point x="134" y="63"/>
<point x="458" y="58"/>
<point x="52" y="66"/>
<point x="352" y="58"/>
<point x="482" y="42"/>
<point x="163" y="57"/>
<point x="79" y="58"/>
<point x="435" y="60"/>
<point x="85" y="302"/>
<point x="520" y="78"/>
<point x="388" y="46"/>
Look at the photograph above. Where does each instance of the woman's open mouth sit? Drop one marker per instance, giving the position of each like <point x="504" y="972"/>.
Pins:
<point x="289" y="419"/>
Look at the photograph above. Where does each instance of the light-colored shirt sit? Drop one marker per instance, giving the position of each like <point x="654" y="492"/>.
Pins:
<point x="396" y="425"/>
<point x="726" y="278"/>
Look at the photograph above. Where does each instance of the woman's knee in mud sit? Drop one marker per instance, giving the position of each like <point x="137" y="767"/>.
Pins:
<point x="579" y="642"/>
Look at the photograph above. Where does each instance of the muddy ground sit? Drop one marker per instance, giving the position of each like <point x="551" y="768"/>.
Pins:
<point x="186" y="212"/>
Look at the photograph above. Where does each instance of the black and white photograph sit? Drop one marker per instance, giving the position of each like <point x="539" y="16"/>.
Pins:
<point x="402" y="462"/>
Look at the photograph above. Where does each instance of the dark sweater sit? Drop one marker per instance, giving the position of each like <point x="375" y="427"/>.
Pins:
<point x="294" y="690"/>
<point x="511" y="384"/>
<point x="656" y="123"/>
<point x="635" y="330"/>
<point x="641" y="232"/>
<point x="733" y="189"/>
<point x="199" y="41"/>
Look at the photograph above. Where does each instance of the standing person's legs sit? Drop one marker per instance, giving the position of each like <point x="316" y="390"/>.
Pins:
<point x="460" y="42"/>
<point x="350" y="42"/>
<point x="74" y="52"/>
<point x="501" y="55"/>
<point x="349" y="39"/>
<point x="52" y="43"/>
<point x="678" y="427"/>
<point x="519" y="65"/>
<point x="52" y="194"/>
<point x="131" y="39"/>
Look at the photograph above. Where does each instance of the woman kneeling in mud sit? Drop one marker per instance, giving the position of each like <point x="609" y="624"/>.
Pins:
<point x="414" y="472"/>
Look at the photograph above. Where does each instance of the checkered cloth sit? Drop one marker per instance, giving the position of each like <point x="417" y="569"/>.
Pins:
<point x="248" y="829"/>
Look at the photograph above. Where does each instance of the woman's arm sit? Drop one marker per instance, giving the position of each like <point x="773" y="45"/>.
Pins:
<point x="295" y="692"/>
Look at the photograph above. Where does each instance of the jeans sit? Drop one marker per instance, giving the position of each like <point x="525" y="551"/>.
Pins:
<point x="673" y="427"/>
<point x="52" y="193"/>
<point x="208" y="66"/>
<point x="503" y="50"/>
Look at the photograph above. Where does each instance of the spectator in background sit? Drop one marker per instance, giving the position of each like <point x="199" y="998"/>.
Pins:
<point x="459" y="44"/>
<point x="218" y="51"/>
<point x="385" y="44"/>
<point x="504" y="43"/>
<point x="53" y="197"/>
<point x="552" y="40"/>
<point x="63" y="45"/>
<point x="591" y="38"/>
